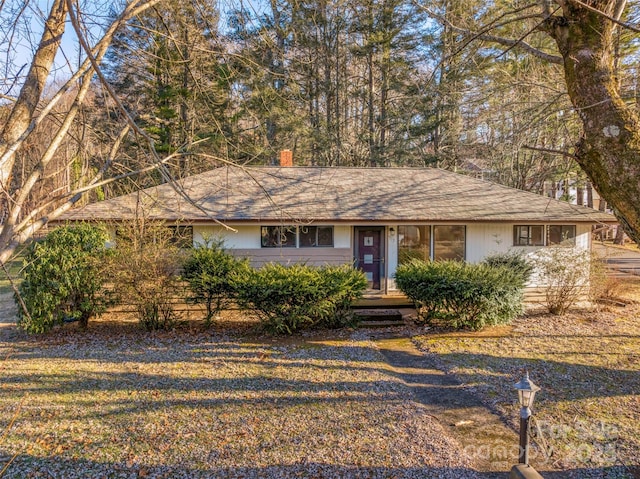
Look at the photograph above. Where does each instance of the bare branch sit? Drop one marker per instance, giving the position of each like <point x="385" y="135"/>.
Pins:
<point x="615" y="19"/>
<point x="529" y="32"/>
<point x="550" y="150"/>
<point x="483" y="35"/>
<point x="158" y="162"/>
<point x="55" y="143"/>
<point x="512" y="43"/>
<point x="84" y="71"/>
<point x="77" y="194"/>
<point x="31" y="91"/>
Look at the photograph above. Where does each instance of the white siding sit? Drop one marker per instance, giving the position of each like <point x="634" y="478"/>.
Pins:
<point x="484" y="239"/>
<point x="245" y="236"/>
<point x="342" y="236"/>
<point x="583" y="237"/>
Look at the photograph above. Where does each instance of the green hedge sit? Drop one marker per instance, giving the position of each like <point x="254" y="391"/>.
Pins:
<point x="209" y="271"/>
<point x="516" y="262"/>
<point x="63" y="278"/>
<point x="290" y="298"/>
<point x="463" y="295"/>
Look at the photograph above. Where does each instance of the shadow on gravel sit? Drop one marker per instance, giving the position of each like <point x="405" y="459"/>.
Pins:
<point x="582" y="381"/>
<point x="55" y="466"/>
<point x="29" y="466"/>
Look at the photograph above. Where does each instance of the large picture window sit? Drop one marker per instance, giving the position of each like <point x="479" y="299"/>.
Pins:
<point x="449" y="242"/>
<point x="414" y="242"/>
<point x="561" y="235"/>
<point x="528" y="235"/>
<point x="291" y="236"/>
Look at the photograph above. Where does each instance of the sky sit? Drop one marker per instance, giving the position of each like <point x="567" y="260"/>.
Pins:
<point x="21" y="27"/>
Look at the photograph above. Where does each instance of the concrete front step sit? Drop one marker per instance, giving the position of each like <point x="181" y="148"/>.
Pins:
<point x="378" y="318"/>
<point x="379" y="324"/>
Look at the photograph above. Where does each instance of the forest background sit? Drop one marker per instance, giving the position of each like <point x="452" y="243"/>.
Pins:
<point x="110" y="98"/>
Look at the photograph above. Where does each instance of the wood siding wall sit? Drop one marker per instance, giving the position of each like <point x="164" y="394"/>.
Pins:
<point x="310" y="256"/>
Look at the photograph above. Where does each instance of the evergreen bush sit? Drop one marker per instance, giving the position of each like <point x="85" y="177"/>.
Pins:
<point x="462" y="295"/>
<point x="514" y="261"/>
<point x="63" y="278"/>
<point x="343" y="285"/>
<point x="209" y="270"/>
<point x="290" y="298"/>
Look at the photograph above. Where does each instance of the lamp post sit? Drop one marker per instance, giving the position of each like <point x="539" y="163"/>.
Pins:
<point x="526" y="394"/>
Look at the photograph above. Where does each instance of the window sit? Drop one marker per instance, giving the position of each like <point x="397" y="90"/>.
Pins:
<point x="311" y="236"/>
<point x="533" y="235"/>
<point x="561" y="235"/>
<point x="414" y="242"/>
<point x="181" y="236"/>
<point x="449" y="242"/>
<point x="528" y="235"/>
<point x="278" y="236"/>
<point x="294" y="236"/>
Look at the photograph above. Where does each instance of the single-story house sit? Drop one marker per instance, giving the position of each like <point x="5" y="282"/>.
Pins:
<point x="374" y="218"/>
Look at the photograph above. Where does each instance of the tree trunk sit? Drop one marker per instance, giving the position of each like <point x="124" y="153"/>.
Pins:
<point x="30" y="94"/>
<point x="609" y="150"/>
<point x="619" y="239"/>
<point x="579" y="195"/>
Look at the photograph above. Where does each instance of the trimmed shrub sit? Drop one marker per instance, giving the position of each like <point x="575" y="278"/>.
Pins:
<point x="514" y="261"/>
<point x="209" y="270"/>
<point x="421" y="282"/>
<point x="63" y="278"/>
<point x="290" y="298"/>
<point x="344" y="285"/>
<point x="461" y="294"/>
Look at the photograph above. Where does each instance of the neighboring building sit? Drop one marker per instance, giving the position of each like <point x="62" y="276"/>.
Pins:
<point x="374" y="218"/>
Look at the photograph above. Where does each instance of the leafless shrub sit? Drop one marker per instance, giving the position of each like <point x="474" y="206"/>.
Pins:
<point x="565" y="272"/>
<point x="145" y="271"/>
<point x="602" y="286"/>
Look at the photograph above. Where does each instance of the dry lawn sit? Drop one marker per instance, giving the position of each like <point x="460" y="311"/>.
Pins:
<point x="588" y="365"/>
<point x="119" y="402"/>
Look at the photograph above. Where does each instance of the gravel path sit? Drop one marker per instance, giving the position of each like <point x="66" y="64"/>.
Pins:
<point x="480" y="432"/>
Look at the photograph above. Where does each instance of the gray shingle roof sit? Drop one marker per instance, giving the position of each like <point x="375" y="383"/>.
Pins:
<point x="266" y="194"/>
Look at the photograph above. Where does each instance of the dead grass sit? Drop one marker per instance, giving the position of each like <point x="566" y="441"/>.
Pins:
<point x="119" y="402"/>
<point x="588" y="365"/>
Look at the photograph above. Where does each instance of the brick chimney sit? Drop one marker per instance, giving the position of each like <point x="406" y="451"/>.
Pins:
<point x="286" y="158"/>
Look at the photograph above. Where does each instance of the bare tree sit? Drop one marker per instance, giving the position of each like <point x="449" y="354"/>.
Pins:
<point x="22" y="218"/>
